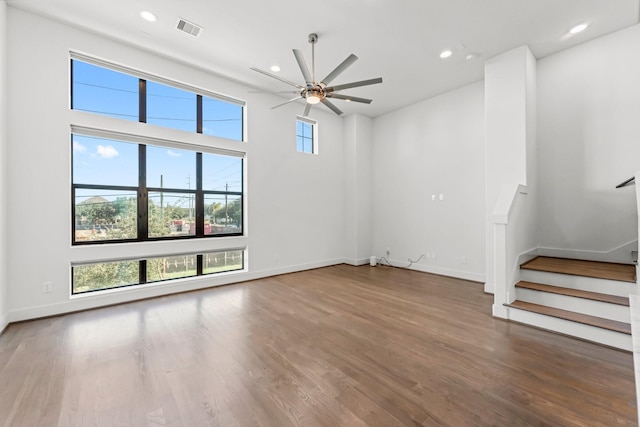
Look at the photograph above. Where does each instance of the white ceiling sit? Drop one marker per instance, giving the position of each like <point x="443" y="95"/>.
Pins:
<point x="398" y="40"/>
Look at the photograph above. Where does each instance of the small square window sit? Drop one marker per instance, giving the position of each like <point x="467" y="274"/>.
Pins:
<point x="306" y="136"/>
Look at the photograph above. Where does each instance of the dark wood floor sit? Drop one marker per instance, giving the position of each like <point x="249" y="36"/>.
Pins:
<point x="337" y="346"/>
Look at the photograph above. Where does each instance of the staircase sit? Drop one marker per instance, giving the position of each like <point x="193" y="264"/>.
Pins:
<point x="585" y="299"/>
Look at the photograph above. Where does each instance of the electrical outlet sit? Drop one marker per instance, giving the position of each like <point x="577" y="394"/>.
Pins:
<point x="463" y="259"/>
<point x="388" y="251"/>
<point x="46" y="287"/>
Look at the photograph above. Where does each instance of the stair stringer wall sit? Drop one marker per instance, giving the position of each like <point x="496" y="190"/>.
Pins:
<point x="620" y="254"/>
<point x="591" y="284"/>
<point x="573" y="329"/>
<point x="619" y="313"/>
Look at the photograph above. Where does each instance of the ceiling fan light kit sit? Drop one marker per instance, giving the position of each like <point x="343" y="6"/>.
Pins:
<point x="315" y="92"/>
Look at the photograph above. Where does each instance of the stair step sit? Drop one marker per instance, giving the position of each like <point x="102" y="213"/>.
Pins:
<point x="599" y="322"/>
<point x="576" y="267"/>
<point x="595" y="296"/>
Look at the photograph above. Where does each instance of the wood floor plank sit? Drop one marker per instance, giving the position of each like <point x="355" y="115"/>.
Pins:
<point x="337" y="346"/>
<point x="576" y="267"/>
<point x="578" y="293"/>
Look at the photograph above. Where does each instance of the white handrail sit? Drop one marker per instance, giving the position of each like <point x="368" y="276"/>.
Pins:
<point x="506" y="245"/>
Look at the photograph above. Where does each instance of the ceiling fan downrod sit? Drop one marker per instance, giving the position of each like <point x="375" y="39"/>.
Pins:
<point x="313" y="39"/>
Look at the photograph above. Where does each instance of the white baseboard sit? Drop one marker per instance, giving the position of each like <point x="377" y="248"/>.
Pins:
<point x="500" y="311"/>
<point x="356" y="262"/>
<point x="620" y="254"/>
<point x="129" y="294"/>
<point x="489" y="288"/>
<point x="458" y="274"/>
<point x="4" y="322"/>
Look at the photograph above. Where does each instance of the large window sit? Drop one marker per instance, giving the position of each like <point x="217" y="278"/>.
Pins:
<point x="131" y="95"/>
<point x="122" y="273"/>
<point x="128" y="186"/>
<point x="306" y="139"/>
<point x="124" y="191"/>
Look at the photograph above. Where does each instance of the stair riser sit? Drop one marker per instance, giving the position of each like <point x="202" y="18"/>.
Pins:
<point x="611" y="287"/>
<point x="567" y="327"/>
<point x="605" y="310"/>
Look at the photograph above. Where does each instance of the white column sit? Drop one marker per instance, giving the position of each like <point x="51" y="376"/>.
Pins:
<point x="510" y="123"/>
<point x="4" y="292"/>
<point x="358" y="195"/>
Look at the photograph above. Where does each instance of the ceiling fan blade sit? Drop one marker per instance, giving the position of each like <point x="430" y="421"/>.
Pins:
<point x="303" y="67"/>
<point x="354" y="84"/>
<point x="286" y="102"/>
<point x="332" y="107"/>
<point x="277" y="78"/>
<point x="339" y="69"/>
<point x="349" y="98"/>
<point x="273" y="91"/>
<point x="307" y="109"/>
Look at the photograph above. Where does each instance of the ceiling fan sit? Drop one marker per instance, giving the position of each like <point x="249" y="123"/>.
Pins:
<point x="314" y="92"/>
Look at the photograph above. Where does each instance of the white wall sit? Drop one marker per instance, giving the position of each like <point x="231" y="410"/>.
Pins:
<point x="433" y="147"/>
<point x="3" y="166"/>
<point x="294" y="200"/>
<point x="589" y="141"/>
<point x="358" y="193"/>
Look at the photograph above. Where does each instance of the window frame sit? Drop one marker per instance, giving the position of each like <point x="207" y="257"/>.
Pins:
<point x="143" y="77"/>
<point x="143" y="270"/>
<point x="142" y="190"/>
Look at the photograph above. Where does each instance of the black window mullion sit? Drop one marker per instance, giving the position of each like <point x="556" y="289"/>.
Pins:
<point x="143" y="194"/>
<point x="199" y="266"/>
<point x="74" y="216"/>
<point x="142" y="270"/>
<point x="105" y="187"/>
<point x="199" y="194"/>
<point x="71" y="85"/>
<point x="142" y="101"/>
<point x="242" y="196"/>
<point x="199" y="113"/>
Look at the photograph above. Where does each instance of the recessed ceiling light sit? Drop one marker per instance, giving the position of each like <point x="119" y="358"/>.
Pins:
<point x="275" y="68"/>
<point x="148" y="16"/>
<point x="578" y="28"/>
<point x="445" y="54"/>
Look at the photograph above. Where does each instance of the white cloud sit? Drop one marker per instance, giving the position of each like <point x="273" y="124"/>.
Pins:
<point x="173" y="153"/>
<point x="79" y="147"/>
<point x="106" y="152"/>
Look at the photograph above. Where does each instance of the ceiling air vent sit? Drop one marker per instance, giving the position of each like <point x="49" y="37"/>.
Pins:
<point x="189" y="27"/>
